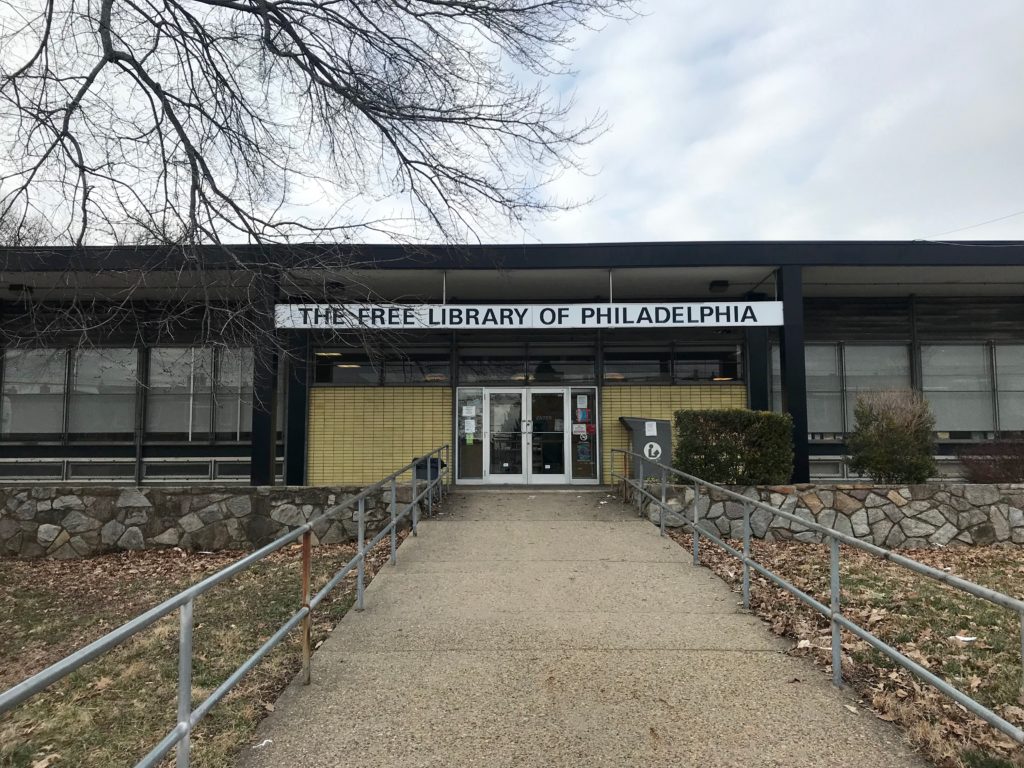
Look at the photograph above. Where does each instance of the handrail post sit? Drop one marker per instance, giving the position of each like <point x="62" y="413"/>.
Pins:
<point x="746" y="556"/>
<point x="446" y="471"/>
<point x="185" y="681"/>
<point x="415" y="507"/>
<point x="431" y="482"/>
<point x="361" y="568"/>
<point x="625" y="476"/>
<point x="307" y="621"/>
<point x="639" y="490"/>
<point x="440" y="475"/>
<point x="664" y="492"/>
<point x="1022" y="654"/>
<point x="394" y="521"/>
<point x="837" y="639"/>
<point x="696" y="532"/>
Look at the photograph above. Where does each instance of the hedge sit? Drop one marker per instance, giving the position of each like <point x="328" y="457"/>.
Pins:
<point x="735" y="447"/>
<point x="892" y="440"/>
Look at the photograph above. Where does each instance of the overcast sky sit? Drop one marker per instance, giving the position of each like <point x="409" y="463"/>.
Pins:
<point x="798" y="119"/>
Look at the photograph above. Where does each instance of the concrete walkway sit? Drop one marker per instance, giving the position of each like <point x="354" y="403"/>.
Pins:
<point x="556" y="629"/>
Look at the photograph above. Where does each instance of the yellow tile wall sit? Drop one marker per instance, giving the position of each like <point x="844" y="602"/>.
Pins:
<point x="657" y="403"/>
<point x="359" y="435"/>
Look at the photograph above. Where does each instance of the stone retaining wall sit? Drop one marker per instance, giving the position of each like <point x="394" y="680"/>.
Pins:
<point x="65" y="522"/>
<point x="914" y="516"/>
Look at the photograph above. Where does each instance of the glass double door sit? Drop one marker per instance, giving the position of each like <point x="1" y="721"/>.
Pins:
<point x="534" y="436"/>
<point x="524" y="435"/>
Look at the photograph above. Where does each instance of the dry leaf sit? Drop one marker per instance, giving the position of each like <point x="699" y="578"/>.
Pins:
<point x="851" y="708"/>
<point x="915" y="655"/>
<point x="47" y="761"/>
<point x="102" y="683"/>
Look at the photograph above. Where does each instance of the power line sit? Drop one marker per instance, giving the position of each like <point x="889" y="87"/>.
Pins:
<point x="975" y="226"/>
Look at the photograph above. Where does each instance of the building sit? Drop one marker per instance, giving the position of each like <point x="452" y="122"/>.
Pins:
<point x="524" y="357"/>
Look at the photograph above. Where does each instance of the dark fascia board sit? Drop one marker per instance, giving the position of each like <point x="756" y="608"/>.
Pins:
<point x="809" y="253"/>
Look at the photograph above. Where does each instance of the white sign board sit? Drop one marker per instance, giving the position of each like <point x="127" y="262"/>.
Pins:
<point x="718" y="314"/>
<point x="650" y="429"/>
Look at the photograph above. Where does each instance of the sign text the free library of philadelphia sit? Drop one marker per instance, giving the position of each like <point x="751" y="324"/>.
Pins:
<point x="529" y="316"/>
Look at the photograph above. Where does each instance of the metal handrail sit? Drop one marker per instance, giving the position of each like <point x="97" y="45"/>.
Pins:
<point x="184" y="602"/>
<point x="833" y="610"/>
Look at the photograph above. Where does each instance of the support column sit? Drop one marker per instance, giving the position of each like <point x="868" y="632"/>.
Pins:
<point x="264" y="424"/>
<point x="794" y="381"/>
<point x="296" y="408"/>
<point x="758" y="372"/>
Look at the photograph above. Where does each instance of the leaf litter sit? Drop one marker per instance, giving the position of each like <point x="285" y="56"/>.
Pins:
<point x="973" y="644"/>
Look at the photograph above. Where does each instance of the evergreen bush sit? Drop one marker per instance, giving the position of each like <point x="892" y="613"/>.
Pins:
<point x="735" y="447"/>
<point x="893" y="440"/>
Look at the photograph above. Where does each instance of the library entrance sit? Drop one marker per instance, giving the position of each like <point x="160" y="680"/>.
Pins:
<point x="527" y="435"/>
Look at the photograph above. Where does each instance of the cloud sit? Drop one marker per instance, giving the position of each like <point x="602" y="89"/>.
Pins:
<point x="799" y="119"/>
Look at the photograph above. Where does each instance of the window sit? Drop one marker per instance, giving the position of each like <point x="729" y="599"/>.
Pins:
<point x="837" y="374"/>
<point x="497" y="368"/>
<point x="872" y="368"/>
<point x="357" y="368"/>
<point x="102" y="401"/>
<point x="824" y="389"/>
<point x="651" y="366"/>
<point x="556" y="366"/>
<point x="470" y="413"/>
<point x="346" y="367"/>
<point x="419" y="368"/>
<point x="776" y="362"/>
<point x="957" y="382"/>
<point x="698" y="364"/>
<point x="179" y="400"/>
<point x="33" y="392"/>
<point x="232" y="394"/>
<point x="1010" y="380"/>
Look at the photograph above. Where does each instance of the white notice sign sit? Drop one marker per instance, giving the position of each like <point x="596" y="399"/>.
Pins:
<point x="650" y="429"/>
<point x="469" y="411"/>
<point x="470" y="426"/>
<point x="581" y="401"/>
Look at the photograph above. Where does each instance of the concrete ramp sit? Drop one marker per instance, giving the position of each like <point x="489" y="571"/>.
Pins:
<point x="556" y="629"/>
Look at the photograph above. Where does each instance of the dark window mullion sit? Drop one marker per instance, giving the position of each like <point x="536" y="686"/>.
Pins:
<point x="214" y="374"/>
<point x="141" y="406"/>
<point x="994" y="387"/>
<point x="69" y="362"/>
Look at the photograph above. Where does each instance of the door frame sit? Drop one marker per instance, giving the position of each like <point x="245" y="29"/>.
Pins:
<point x="540" y="479"/>
<point x="526" y="478"/>
<point x="523" y="477"/>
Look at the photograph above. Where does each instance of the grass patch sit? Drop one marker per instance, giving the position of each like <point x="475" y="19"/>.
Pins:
<point x="922" y="619"/>
<point x="114" y="709"/>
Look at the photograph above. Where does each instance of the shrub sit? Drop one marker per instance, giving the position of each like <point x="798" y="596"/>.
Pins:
<point x="1001" y="461"/>
<point x="735" y="447"/>
<point x="892" y="441"/>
